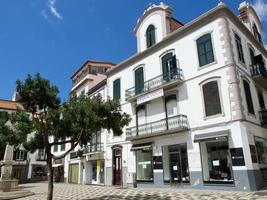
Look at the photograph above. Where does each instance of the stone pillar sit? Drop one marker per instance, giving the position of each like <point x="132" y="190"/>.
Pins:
<point x="6" y="169"/>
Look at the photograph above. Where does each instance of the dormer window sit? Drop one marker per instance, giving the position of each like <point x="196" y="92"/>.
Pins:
<point x="150" y="36"/>
<point x="256" y="33"/>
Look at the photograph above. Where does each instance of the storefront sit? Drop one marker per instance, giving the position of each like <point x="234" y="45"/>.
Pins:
<point x="170" y="167"/>
<point x="39" y="173"/>
<point x="58" y="169"/>
<point x="73" y="175"/>
<point x="94" y="169"/>
<point x="216" y="158"/>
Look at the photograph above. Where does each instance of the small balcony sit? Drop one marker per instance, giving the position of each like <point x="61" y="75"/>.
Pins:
<point x="40" y="157"/>
<point x="263" y="117"/>
<point x="259" y="72"/>
<point x="92" y="148"/>
<point x="160" y="127"/>
<point x="161" y="81"/>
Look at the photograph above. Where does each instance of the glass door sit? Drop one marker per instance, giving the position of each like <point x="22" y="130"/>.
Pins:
<point x="175" y="168"/>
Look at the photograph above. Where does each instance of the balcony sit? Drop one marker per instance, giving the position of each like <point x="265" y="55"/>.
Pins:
<point x="259" y="72"/>
<point x="92" y="148"/>
<point x="161" y="81"/>
<point x="40" y="158"/>
<point x="263" y="117"/>
<point x="161" y="127"/>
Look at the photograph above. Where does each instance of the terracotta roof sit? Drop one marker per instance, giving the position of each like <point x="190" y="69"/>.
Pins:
<point x="9" y="105"/>
<point x="94" y="63"/>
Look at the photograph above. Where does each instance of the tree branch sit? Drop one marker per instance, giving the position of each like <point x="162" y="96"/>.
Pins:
<point x="61" y="142"/>
<point x="71" y="148"/>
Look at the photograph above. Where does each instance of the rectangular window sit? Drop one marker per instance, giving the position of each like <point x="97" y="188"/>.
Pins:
<point x="261" y="148"/>
<point x="211" y="98"/>
<point x="63" y="146"/>
<point x="55" y="148"/>
<point x="20" y="155"/>
<point x="239" y="48"/>
<point x="117" y="89"/>
<point x="144" y="167"/>
<point x="139" y="80"/>
<point x="205" y="50"/>
<point x="216" y="161"/>
<point x="261" y="100"/>
<point x="249" y="101"/>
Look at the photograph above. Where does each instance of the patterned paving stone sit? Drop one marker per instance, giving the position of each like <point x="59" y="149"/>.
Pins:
<point x="88" y="192"/>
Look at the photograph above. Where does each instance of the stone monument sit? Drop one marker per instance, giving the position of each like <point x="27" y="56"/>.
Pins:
<point x="6" y="181"/>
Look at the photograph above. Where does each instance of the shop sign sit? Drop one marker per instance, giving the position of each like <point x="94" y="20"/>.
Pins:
<point x="237" y="156"/>
<point x="150" y="96"/>
<point x="157" y="162"/>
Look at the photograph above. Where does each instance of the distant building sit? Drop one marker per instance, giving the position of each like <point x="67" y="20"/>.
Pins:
<point x="27" y="167"/>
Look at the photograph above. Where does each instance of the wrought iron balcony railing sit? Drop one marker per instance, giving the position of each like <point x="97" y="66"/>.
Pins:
<point x="263" y="117"/>
<point x="95" y="147"/>
<point x="154" y="83"/>
<point x="257" y="70"/>
<point x="178" y="123"/>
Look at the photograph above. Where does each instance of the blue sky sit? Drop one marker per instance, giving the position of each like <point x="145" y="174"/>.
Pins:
<point x="54" y="37"/>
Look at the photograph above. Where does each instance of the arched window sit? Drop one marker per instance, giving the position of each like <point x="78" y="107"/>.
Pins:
<point x="141" y="120"/>
<point x="205" y="50"/>
<point x="139" y="80"/>
<point x="150" y="36"/>
<point x="212" y="100"/>
<point x="256" y="33"/>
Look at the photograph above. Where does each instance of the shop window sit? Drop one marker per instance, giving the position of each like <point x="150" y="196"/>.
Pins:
<point x="175" y="164"/>
<point x="261" y="148"/>
<point x="150" y="36"/>
<point x="248" y="96"/>
<point x="205" y="50"/>
<point x="144" y="167"/>
<point x="38" y="171"/>
<point x="216" y="161"/>
<point x="239" y="48"/>
<point x="212" y="100"/>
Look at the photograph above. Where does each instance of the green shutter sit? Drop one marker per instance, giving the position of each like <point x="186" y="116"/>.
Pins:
<point x="117" y="89"/>
<point x="139" y="80"/>
<point x="150" y="36"/>
<point x="165" y="69"/>
<point x="205" y="50"/>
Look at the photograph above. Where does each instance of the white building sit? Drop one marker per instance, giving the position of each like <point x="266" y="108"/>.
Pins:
<point x="86" y="165"/>
<point x="197" y="95"/>
<point x="27" y="166"/>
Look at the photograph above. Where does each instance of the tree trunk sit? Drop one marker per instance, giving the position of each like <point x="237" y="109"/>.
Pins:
<point x="50" y="177"/>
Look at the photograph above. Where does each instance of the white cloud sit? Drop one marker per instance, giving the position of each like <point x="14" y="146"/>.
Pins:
<point x="260" y="7"/>
<point x="43" y="13"/>
<point x="52" y="8"/>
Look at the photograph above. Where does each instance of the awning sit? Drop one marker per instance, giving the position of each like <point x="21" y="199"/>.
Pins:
<point x="212" y="136"/>
<point x="57" y="165"/>
<point x="141" y="146"/>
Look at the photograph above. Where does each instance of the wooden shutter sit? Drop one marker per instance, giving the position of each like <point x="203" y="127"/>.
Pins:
<point x="205" y="50"/>
<point x="116" y="89"/>
<point x="211" y="98"/>
<point x="165" y="67"/>
<point x="139" y="80"/>
<point x="250" y="106"/>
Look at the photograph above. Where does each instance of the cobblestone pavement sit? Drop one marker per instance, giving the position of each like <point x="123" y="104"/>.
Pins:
<point x="84" y="192"/>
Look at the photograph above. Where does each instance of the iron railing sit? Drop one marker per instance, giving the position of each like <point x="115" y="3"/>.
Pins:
<point x="263" y="117"/>
<point x="178" y="122"/>
<point x="155" y="82"/>
<point x="257" y="70"/>
<point x="95" y="147"/>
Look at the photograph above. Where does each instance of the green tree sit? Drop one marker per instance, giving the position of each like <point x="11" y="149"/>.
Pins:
<point x="71" y="122"/>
